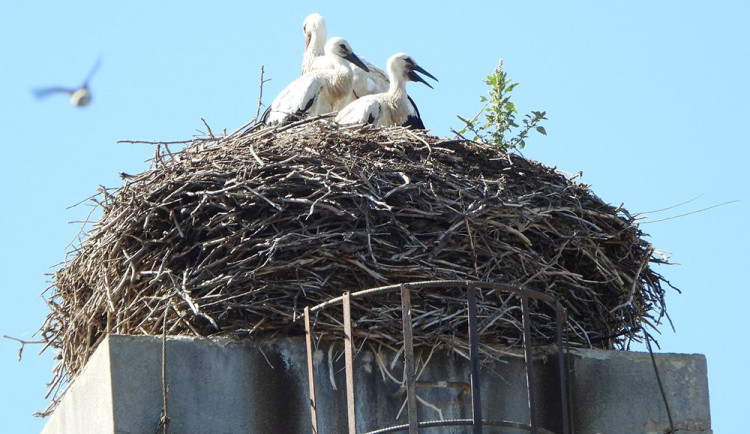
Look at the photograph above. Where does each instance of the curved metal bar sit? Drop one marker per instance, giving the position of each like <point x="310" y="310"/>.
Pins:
<point x="458" y="422"/>
<point x="546" y="298"/>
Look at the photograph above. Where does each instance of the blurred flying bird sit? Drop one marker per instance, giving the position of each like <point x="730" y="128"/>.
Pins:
<point x="79" y="97"/>
<point x="328" y="88"/>
<point x="393" y="107"/>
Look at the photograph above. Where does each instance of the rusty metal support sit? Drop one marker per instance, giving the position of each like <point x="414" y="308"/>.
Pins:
<point x="311" y="371"/>
<point x="411" y="384"/>
<point x="349" y="356"/>
<point x="530" y="382"/>
<point x="476" y="395"/>
<point x="409" y="370"/>
<point x="562" y="366"/>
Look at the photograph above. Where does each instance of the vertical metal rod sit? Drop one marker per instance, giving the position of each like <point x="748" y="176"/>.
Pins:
<point x="562" y="369"/>
<point x="164" y="412"/>
<point x="527" y="358"/>
<point x="349" y="355"/>
<point x="658" y="381"/>
<point x="411" y="390"/>
<point x="571" y="399"/>
<point x="476" y="397"/>
<point x="311" y="371"/>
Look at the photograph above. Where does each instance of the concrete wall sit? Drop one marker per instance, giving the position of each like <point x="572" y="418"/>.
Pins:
<point x="228" y="386"/>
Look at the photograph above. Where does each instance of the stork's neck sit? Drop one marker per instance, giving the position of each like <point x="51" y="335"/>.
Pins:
<point x="317" y="42"/>
<point x="397" y="87"/>
<point x="314" y="50"/>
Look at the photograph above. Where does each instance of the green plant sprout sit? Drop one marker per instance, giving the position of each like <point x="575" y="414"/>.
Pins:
<point x="500" y="127"/>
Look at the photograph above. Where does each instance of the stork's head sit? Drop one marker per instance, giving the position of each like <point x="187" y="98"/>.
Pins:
<point x="314" y="26"/>
<point x="339" y="47"/>
<point x="403" y="66"/>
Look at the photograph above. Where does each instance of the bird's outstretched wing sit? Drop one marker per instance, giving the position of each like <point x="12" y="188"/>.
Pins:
<point x="47" y="91"/>
<point x="91" y="73"/>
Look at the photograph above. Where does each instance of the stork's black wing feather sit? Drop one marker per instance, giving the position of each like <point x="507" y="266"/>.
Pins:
<point x="414" y="122"/>
<point x="264" y="116"/>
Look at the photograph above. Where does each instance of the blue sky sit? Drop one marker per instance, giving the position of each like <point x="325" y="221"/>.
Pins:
<point x="647" y="99"/>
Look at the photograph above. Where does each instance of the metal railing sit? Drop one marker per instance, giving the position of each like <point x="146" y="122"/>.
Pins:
<point x="477" y="422"/>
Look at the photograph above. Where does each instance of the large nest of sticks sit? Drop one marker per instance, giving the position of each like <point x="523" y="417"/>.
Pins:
<point x="236" y="235"/>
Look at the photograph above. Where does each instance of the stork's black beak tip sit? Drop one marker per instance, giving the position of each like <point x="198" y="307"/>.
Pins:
<point x="413" y="76"/>
<point x="420" y="69"/>
<point x="357" y="61"/>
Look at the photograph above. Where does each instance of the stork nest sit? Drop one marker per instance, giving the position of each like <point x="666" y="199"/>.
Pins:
<point x="235" y="235"/>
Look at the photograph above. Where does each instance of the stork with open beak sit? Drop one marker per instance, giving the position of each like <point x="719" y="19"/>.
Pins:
<point x="367" y="82"/>
<point x="326" y="89"/>
<point x="79" y="97"/>
<point x="393" y="107"/>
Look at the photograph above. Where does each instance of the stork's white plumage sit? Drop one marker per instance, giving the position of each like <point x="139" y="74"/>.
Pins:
<point x="393" y="107"/>
<point x="369" y="83"/>
<point x="365" y="82"/>
<point x="79" y="96"/>
<point x="326" y="89"/>
<point x="314" y="29"/>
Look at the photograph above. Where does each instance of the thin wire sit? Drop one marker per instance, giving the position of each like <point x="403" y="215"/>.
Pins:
<point x="658" y="381"/>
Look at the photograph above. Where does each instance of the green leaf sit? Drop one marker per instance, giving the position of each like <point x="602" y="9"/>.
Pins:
<point x="496" y="123"/>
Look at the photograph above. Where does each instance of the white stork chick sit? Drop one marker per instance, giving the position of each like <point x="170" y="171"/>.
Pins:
<point x="79" y="96"/>
<point x="393" y="107"/>
<point x="314" y="29"/>
<point x="326" y="89"/>
<point x="365" y="82"/>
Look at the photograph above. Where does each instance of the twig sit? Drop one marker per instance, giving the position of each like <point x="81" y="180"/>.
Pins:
<point x="23" y="344"/>
<point x="691" y="212"/>
<point x="260" y="94"/>
<point x="636" y="281"/>
<point x="146" y="142"/>
<point x="210" y="133"/>
<point x="672" y="206"/>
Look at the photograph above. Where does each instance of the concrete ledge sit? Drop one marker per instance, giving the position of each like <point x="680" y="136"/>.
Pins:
<point x="228" y="386"/>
